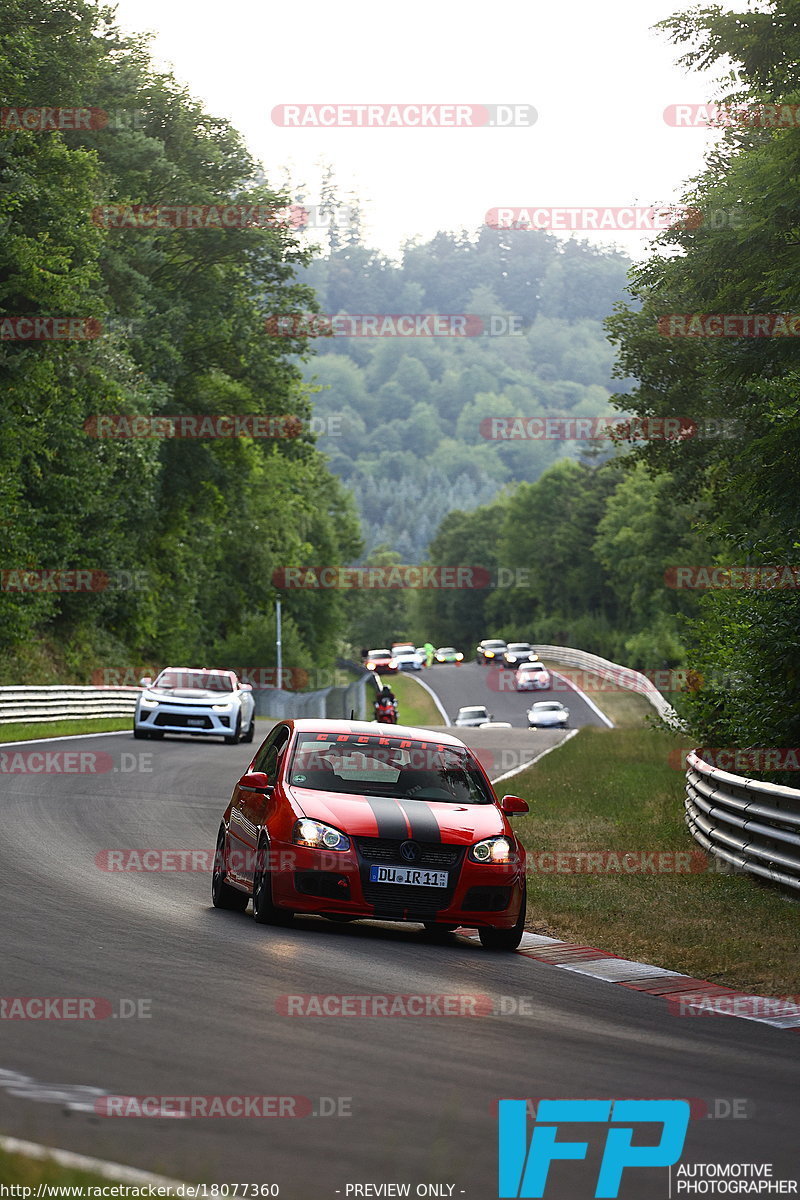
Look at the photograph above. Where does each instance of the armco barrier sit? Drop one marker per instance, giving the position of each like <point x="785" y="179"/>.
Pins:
<point x="751" y="825"/>
<point x="60" y="703"/>
<point x="624" y="676"/>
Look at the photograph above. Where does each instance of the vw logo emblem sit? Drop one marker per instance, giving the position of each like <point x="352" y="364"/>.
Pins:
<point x="409" y="852"/>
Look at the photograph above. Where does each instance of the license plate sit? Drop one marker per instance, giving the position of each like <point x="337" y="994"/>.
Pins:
<point x="195" y="720"/>
<point x="411" y="876"/>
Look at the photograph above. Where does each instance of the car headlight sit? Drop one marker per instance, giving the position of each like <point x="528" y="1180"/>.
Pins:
<point x="147" y="701"/>
<point x="459" y="657"/>
<point x="318" y="836"/>
<point x="492" y="850"/>
<point x="512" y="658"/>
<point x="222" y="707"/>
<point x="393" y="663"/>
<point x="488" y="654"/>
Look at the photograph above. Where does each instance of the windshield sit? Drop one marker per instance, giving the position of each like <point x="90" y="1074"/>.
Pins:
<point x="531" y="668"/>
<point x="553" y="706"/>
<point x="379" y="654"/>
<point x="493" y="645"/>
<point x="374" y="765"/>
<point x="205" y="681"/>
<point x="519" y="648"/>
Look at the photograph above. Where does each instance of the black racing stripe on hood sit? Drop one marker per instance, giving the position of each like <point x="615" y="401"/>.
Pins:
<point x="390" y="818"/>
<point x="424" y="826"/>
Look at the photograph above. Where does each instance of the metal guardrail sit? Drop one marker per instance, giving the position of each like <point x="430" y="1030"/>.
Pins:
<point x="752" y="825"/>
<point x="623" y="676"/>
<point x="59" y="703"/>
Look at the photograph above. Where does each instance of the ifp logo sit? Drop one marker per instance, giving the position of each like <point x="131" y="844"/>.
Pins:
<point x="523" y="1169"/>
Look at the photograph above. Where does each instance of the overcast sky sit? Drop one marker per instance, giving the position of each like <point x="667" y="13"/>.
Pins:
<point x="598" y="76"/>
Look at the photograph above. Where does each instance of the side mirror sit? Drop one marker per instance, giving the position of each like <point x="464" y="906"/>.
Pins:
<point x="145" y="681"/>
<point x="256" y="781"/>
<point x="246" y="687"/>
<point x="514" y="804"/>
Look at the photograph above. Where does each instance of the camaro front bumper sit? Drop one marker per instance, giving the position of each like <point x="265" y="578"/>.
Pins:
<point x="197" y="720"/>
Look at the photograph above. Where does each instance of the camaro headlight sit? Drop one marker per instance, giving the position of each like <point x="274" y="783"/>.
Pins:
<point x="492" y="850"/>
<point x="222" y="707"/>
<point x="318" y="836"/>
<point x="147" y="701"/>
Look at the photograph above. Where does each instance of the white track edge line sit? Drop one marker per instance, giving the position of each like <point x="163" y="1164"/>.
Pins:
<point x="432" y="695"/>
<point x="81" y="1162"/>
<point x="531" y="761"/>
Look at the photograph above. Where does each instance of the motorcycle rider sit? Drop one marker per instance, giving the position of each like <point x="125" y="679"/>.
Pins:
<point x="386" y="697"/>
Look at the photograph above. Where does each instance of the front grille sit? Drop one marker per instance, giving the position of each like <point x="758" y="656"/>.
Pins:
<point x="182" y="719"/>
<point x="433" y="854"/>
<point x="398" y="900"/>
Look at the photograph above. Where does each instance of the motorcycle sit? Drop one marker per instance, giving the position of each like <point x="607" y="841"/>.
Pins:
<point x="385" y="713"/>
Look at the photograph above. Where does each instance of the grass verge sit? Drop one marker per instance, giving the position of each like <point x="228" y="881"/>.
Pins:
<point x="30" y="1172"/>
<point x="44" y="729"/>
<point x="414" y="705"/>
<point x="614" y="790"/>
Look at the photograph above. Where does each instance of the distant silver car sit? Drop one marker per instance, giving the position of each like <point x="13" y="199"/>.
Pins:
<point x="473" y="715"/>
<point x="547" y="714"/>
<point x="198" y="702"/>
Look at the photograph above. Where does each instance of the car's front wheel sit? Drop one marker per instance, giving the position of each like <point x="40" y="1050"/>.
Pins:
<point x="140" y="734"/>
<point x="222" y="894"/>
<point x="251" y="729"/>
<point x="506" y="939"/>
<point x="232" y="738"/>
<point x="264" y="910"/>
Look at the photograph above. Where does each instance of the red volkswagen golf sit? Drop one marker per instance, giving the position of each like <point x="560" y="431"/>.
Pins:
<point x="349" y="820"/>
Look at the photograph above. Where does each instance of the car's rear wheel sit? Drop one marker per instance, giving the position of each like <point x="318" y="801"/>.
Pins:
<point x="251" y="729"/>
<point x="264" y="910"/>
<point x="232" y="738"/>
<point x="222" y="894"/>
<point x="506" y="939"/>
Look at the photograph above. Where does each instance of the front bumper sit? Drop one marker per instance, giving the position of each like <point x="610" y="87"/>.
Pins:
<point x="196" y="719"/>
<point x="324" y="882"/>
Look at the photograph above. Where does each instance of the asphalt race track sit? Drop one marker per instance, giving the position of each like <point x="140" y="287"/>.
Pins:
<point x="419" y="1090"/>
<point x="471" y="683"/>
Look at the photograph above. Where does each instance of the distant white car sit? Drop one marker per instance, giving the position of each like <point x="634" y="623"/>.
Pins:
<point x="546" y="714"/>
<point x="532" y="676"/>
<point x="198" y="702"/>
<point x="407" y="660"/>
<point x="473" y="715"/>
